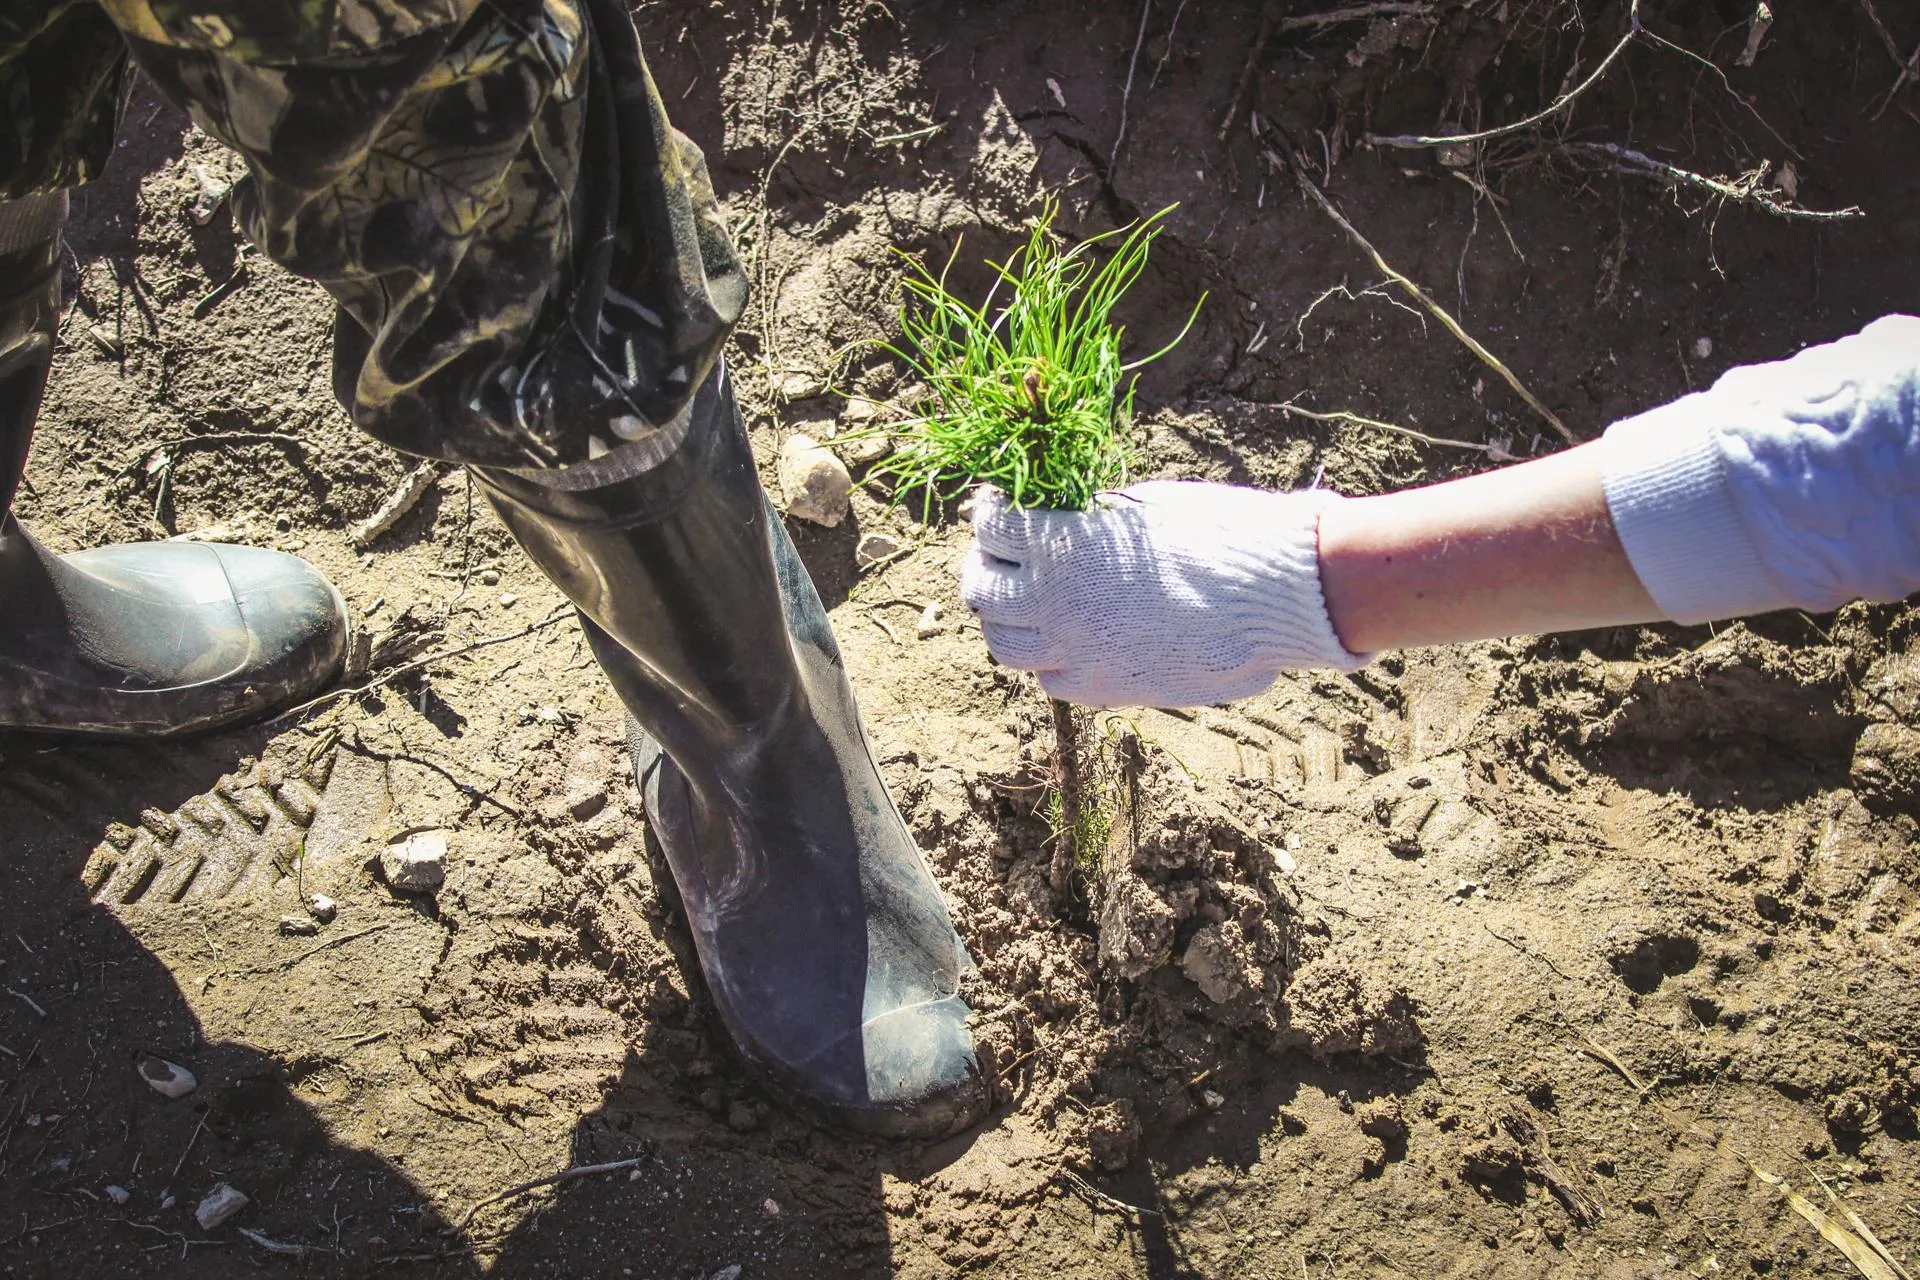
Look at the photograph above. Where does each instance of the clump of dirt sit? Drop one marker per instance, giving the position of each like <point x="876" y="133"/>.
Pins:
<point x="1880" y="1091"/>
<point x="1184" y="881"/>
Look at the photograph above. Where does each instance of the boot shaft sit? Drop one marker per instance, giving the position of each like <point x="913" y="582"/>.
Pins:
<point x="677" y="564"/>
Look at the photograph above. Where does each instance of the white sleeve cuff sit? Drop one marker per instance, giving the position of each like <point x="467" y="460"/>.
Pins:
<point x="1667" y="490"/>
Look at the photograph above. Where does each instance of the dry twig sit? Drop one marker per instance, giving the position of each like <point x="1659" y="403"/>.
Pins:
<point x="281" y="966"/>
<point x="1886" y="36"/>
<point x="1749" y="188"/>
<point x="1075" y="1183"/>
<point x="1594" y="1049"/>
<point x="388" y="677"/>
<point x="1353" y="13"/>
<point x="1757" y="30"/>
<point x="230" y="285"/>
<point x="565" y="1175"/>
<point x="401" y="501"/>
<point x="277" y="1246"/>
<point x="1493" y="451"/>
<point x="1559" y="104"/>
<point x="1126" y="95"/>
<point x="1419" y="295"/>
<point x="1909" y="66"/>
<point x="1269" y="19"/>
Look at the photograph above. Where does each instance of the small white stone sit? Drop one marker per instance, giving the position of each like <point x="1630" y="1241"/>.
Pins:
<point x="489" y="577"/>
<point x="800" y="385"/>
<point x="862" y="450"/>
<point x="299" y="926"/>
<point x="323" y="908"/>
<point x="813" y="481"/>
<point x="1703" y="348"/>
<point x="874" y="549"/>
<point x="727" y="1273"/>
<point x="169" y="1079"/>
<point x="860" y="409"/>
<point x="929" y="624"/>
<point x="770" y="1207"/>
<point x="1211" y="1101"/>
<point x="508" y="600"/>
<point x="118" y="1194"/>
<point x="416" y="863"/>
<point x="220" y="1205"/>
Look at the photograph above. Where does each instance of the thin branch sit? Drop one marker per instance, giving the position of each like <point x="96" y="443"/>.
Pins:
<point x="281" y="966"/>
<point x="1886" y="36"/>
<point x="1269" y="20"/>
<point x="1726" y="85"/>
<point x="401" y="501"/>
<point x="1126" y="95"/>
<point x="278" y="1246"/>
<point x="386" y="678"/>
<point x="1419" y="295"/>
<point x="1747" y="189"/>
<point x="1557" y="105"/>
<point x="1352" y="13"/>
<point x="1492" y="451"/>
<point x="565" y="1175"/>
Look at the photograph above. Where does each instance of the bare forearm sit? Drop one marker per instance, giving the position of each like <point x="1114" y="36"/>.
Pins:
<point x="1524" y="550"/>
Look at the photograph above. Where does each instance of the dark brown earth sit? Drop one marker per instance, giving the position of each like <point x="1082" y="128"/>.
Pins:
<point x="1359" y="984"/>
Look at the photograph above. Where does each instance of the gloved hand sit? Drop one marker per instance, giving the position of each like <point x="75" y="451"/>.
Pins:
<point x="1169" y="594"/>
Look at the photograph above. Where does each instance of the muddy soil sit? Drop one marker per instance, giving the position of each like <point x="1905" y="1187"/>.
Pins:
<point x="1512" y="959"/>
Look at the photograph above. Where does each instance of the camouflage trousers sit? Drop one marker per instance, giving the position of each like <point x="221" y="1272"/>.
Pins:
<point x="528" y="262"/>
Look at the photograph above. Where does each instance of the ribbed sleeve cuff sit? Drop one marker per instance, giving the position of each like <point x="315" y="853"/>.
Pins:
<point x="1302" y="625"/>
<point x="1667" y="490"/>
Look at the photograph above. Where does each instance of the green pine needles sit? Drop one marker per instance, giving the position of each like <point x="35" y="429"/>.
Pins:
<point x="1027" y="389"/>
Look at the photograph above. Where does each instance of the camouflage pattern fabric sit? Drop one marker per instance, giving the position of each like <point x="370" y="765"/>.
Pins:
<point x="528" y="260"/>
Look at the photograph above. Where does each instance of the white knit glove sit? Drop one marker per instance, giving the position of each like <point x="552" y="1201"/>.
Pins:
<point x="1168" y="594"/>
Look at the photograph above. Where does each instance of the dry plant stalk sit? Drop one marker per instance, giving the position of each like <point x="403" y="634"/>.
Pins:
<point x="1749" y="189"/>
<point x="1419" y="295"/>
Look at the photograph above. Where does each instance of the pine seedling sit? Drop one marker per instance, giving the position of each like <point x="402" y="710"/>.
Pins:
<point x="1028" y="392"/>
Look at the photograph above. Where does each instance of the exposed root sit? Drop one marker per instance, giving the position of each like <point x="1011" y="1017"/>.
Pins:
<point x="1419" y="295"/>
<point x="1749" y="188"/>
<point x="1553" y="108"/>
<point x="1492" y="451"/>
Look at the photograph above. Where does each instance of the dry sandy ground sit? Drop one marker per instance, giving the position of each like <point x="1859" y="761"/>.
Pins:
<point x="1507" y="960"/>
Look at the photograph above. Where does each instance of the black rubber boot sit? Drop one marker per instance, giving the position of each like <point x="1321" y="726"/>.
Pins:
<point x="823" y="938"/>
<point x="144" y="640"/>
